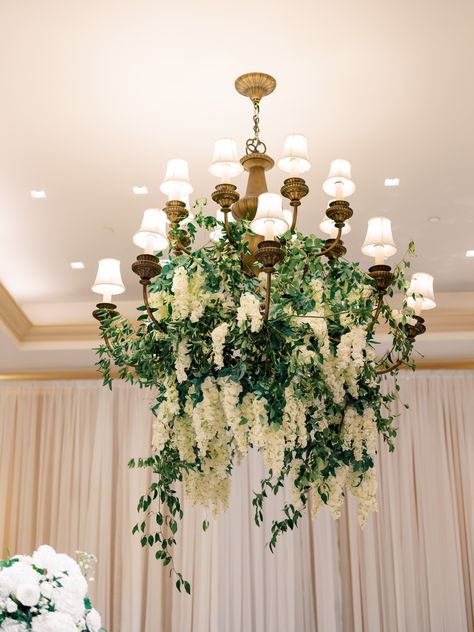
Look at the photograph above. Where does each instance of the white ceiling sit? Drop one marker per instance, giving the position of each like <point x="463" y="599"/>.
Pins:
<point x="96" y="96"/>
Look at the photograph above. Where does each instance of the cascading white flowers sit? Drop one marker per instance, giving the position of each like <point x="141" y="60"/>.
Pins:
<point x="46" y="592"/>
<point x="301" y="387"/>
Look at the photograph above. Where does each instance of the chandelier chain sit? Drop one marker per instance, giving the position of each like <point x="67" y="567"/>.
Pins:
<point x="255" y="145"/>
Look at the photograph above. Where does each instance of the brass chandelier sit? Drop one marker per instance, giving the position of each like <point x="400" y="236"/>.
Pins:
<point x="269" y="221"/>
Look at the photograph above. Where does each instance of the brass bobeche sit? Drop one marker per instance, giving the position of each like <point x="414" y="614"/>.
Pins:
<point x="105" y="310"/>
<point x="416" y="330"/>
<point x="146" y="267"/>
<point x="269" y="253"/>
<point x="383" y="276"/>
<point x="176" y="211"/>
<point x="334" y="249"/>
<point x="339" y="211"/>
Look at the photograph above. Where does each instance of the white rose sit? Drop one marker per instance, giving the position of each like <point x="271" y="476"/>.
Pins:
<point x="93" y="620"/>
<point x="11" y="606"/>
<point x="28" y="594"/>
<point x="55" y="563"/>
<point x="53" y="622"/>
<point x="9" y="625"/>
<point x="16" y="574"/>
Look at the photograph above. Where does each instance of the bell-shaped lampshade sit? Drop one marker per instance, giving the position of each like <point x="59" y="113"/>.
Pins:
<point x="225" y="163"/>
<point x="420" y="293"/>
<point x="294" y="159"/>
<point x="339" y="183"/>
<point x="329" y="227"/>
<point x="152" y="235"/>
<point x="218" y="232"/>
<point x="176" y="183"/>
<point x="108" y="280"/>
<point x="269" y="220"/>
<point x="379" y="240"/>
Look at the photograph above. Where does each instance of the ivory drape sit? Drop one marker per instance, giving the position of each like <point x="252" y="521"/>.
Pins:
<point x="64" y="449"/>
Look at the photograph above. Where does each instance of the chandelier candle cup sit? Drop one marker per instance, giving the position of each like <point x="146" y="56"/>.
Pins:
<point x="285" y="364"/>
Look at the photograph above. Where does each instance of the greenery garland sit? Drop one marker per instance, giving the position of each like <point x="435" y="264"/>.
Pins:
<point x="302" y="388"/>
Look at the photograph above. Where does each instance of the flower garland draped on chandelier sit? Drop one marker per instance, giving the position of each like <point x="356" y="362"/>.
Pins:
<point x="263" y="339"/>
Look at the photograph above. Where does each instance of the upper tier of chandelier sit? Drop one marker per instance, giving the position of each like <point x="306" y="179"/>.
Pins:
<point x="270" y="215"/>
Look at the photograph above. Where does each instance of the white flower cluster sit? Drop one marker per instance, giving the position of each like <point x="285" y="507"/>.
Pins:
<point x="250" y="310"/>
<point x="218" y="336"/>
<point x="359" y="432"/>
<point x="45" y="593"/>
<point x="400" y="316"/>
<point x="350" y="357"/>
<point x="363" y="486"/>
<point x="189" y="297"/>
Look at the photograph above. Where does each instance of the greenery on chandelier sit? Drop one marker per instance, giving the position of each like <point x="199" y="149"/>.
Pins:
<point x="303" y="388"/>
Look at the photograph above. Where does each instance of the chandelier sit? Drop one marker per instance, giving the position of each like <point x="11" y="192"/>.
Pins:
<point x="263" y="338"/>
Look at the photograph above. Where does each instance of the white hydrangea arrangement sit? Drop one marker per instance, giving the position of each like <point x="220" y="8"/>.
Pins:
<point x="45" y="592"/>
<point x="303" y="388"/>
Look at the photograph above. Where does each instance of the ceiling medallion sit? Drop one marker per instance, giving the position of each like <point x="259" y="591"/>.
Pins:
<point x="262" y="339"/>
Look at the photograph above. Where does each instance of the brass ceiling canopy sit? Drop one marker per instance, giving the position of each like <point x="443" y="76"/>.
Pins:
<point x="255" y="85"/>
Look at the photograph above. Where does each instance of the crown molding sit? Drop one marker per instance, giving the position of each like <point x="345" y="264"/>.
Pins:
<point x="27" y="335"/>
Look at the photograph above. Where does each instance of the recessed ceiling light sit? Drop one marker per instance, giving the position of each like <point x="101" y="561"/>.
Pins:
<point x="140" y="190"/>
<point x="77" y="265"/>
<point x="469" y="253"/>
<point x="434" y="219"/>
<point x="38" y="195"/>
<point x="392" y="182"/>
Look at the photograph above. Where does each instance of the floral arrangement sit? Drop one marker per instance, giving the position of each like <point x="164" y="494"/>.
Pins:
<point x="46" y="592"/>
<point x="302" y="388"/>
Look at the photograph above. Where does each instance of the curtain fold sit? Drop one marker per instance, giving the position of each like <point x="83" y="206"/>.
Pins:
<point x="64" y="449"/>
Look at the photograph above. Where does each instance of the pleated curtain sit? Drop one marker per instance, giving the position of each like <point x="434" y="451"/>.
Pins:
<point x="64" y="481"/>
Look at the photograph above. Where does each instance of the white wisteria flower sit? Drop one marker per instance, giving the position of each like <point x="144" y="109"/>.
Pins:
<point x="303" y="389"/>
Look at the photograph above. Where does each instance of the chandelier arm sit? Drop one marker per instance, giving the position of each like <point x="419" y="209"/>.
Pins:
<point x="390" y="368"/>
<point x="149" y="311"/>
<point x="376" y="315"/>
<point x="107" y="342"/>
<point x="295" y="218"/>
<point x="227" y="230"/>
<point x="333" y="246"/>
<point x="267" y="296"/>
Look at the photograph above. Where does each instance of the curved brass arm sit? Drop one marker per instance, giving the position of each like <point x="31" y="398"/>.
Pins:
<point x="377" y="312"/>
<point x="149" y="311"/>
<point x="390" y="368"/>
<point x="227" y="227"/>
<point x="267" y="297"/>
<point x="295" y="217"/>
<point x="107" y="342"/>
<point x="334" y="244"/>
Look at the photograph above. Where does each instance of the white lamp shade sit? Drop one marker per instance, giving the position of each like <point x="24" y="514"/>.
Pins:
<point x="294" y="159"/>
<point x="108" y="280"/>
<point x="379" y="234"/>
<point x="269" y="209"/>
<point x="339" y="180"/>
<point x="225" y="163"/>
<point x="328" y="226"/>
<point x="421" y="287"/>
<point x="176" y="183"/>
<point x="153" y="230"/>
